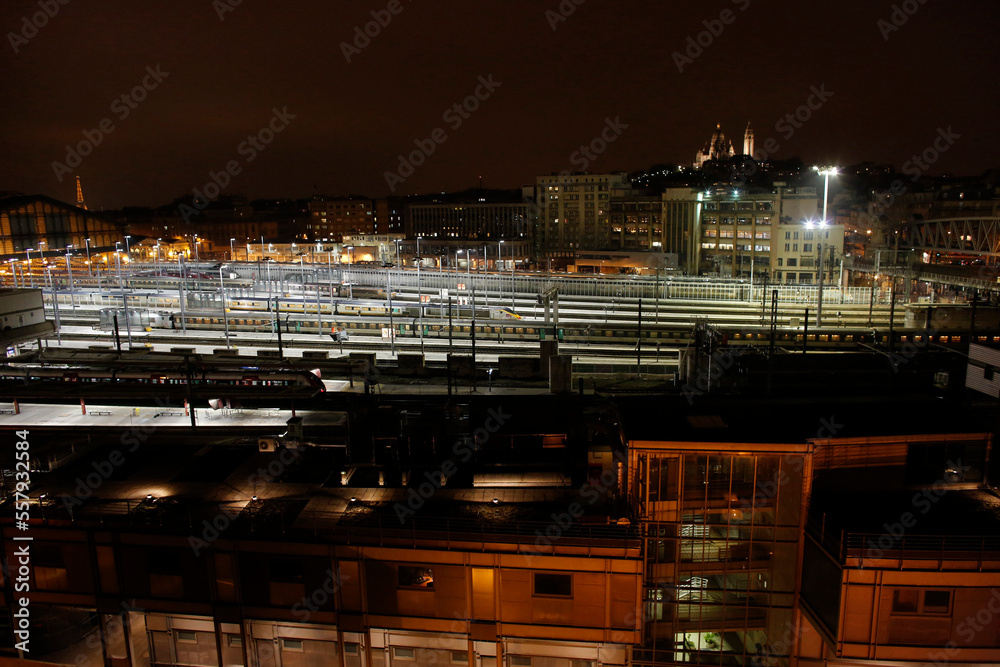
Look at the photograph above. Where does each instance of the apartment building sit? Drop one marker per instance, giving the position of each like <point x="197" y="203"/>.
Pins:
<point x="822" y="537"/>
<point x="749" y="533"/>
<point x="483" y="221"/>
<point x="332" y="219"/>
<point x="574" y="212"/>
<point x="798" y="249"/>
<point x="905" y="568"/>
<point x="234" y="555"/>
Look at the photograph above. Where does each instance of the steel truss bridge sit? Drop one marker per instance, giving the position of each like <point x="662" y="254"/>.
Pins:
<point x="978" y="236"/>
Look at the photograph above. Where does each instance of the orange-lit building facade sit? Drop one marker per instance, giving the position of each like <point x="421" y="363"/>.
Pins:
<point x="699" y="550"/>
<point x="722" y="540"/>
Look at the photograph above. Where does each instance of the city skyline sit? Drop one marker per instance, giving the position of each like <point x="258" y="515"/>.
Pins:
<point x="333" y="110"/>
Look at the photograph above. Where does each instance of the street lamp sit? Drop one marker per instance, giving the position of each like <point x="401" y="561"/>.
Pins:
<point x="121" y="286"/>
<point x="500" y="272"/>
<point x="196" y="257"/>
<point x="420" y="303"/>
<point x="90" y="266"/>
<point x="41" y="253"/>
<point x="350" y="287"/>
<point x="27" y="252"/>
<point x="225" y="314"/>
<point x="826" y="173"/>
<point x="128" y="248"/>
<point x="232" y="250"/>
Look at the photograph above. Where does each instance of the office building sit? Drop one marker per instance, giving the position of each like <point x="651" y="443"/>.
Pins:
<point x="574" y="213"/>
<point x="332" y="219"/>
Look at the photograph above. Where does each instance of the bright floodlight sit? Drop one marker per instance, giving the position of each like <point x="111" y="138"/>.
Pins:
<point x="826" y="171"/>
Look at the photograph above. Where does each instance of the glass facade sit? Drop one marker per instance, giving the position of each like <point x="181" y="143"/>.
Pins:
<point x="42" y="223"/>
<point x="721" y="551"/>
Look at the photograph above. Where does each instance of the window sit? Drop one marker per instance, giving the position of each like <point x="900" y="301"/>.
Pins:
<point x="795" y="247"/>
<point x="352" y="649"/>
<point x="291" y="645"/>
<point x="286" y="570"/>
<point x="188" y="636"/>
<point x="235" y="641"/>
<point x="404" y="653"/>
<point x="520" y="661"/>
<point x="792" y="261"/>
<point x="459" y="658"/>
<point x="781" y="261"/>
<point x="937" y="602"/>
<point x="553" y="584"/>
<point x="905" y="600"/>
<point x="788" y="247"/>
<point x="416" y="577"/>
<point x="908" y="601"/>
<point x="49" y="567"/>
<point x="807" y="247"/>
<point x="807" y="236"/>
<point x="795" y="235"/>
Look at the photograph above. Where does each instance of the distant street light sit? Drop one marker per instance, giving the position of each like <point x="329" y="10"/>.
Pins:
<point x="826" y="173"/>
<point x="30" y="272"/>
<point x="225" y="314"/>
<point x="121" y="286"/>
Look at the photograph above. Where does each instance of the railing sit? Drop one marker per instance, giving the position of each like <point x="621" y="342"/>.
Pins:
<point x="934" y="547"/>
<point x="285" y="519"/>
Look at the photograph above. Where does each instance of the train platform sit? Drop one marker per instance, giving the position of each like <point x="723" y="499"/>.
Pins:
<point x="40" y="415"/>
<point x="428" y="389"/>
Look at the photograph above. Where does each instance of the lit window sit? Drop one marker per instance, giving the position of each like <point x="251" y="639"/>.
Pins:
<point x="417" y="577"/>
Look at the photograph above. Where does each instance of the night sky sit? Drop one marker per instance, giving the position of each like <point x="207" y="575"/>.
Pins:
<point x="606" y="60"/>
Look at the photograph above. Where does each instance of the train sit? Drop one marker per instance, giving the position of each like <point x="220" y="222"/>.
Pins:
<point x="163" y="376"/>
<point x="735" y="336"/>
<point x="367" y="308"/>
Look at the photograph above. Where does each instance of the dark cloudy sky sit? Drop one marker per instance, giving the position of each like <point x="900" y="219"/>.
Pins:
<point x="609" y="59"/>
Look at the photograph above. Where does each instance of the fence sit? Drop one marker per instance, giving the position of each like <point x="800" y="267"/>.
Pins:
<point x="503" y="286"/>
